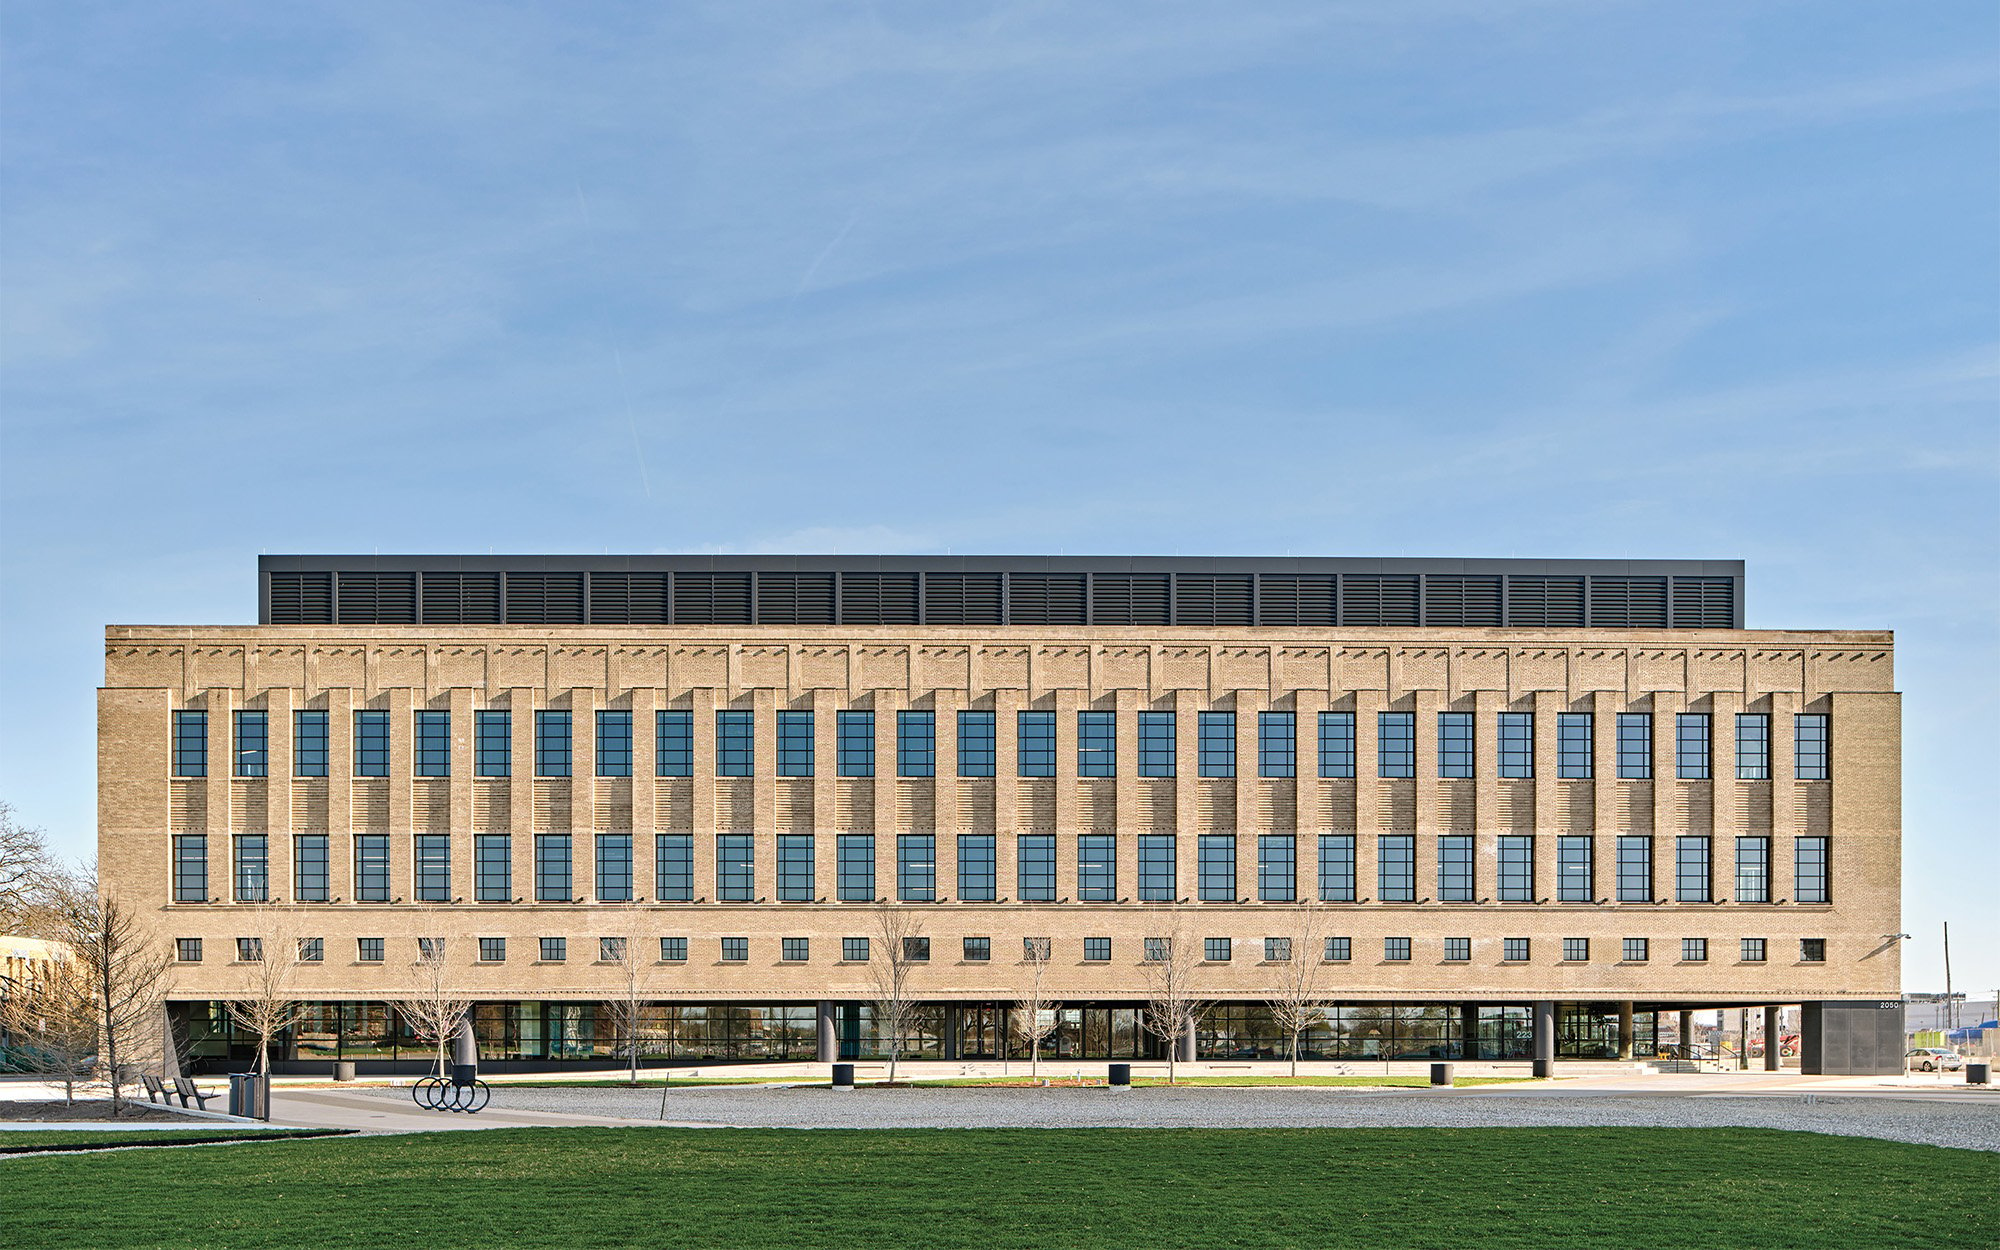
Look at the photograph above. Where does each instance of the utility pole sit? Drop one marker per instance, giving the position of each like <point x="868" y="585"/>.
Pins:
<point x="1950" y="1007"/>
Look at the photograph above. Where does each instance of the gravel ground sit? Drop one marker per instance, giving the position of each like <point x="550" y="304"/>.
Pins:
<point x="1930" y="1122"/>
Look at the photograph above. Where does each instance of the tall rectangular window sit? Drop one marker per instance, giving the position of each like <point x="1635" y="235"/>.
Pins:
<point x="735" y="868"/>
<point x="673" y="867"/>
<point x="552" y="872"/>
<point x="1694" y="950"/>
<point x="190" y="868"/>
<point x="1635" y="746"/>
<point x="978" y="868"/>
<point x="614" y="868"/>
<point x="614" y="743"/>
<point x="493" y="743"/>
<point x="493" y="868"/>
<point x="432" y="754"/>
<point x="552" y="757"/>
<point x="1753" y="870"/>
<point x="1336" y="744"/>
<point x="796" y="882"/>
<point x="253" y="744"/>
<point x="1517" y="868"/>
<point x="253" y="868"/>
<point x="1812" y="871"/>
<point x="795" y="743"/>
<point x="977" y="749"/>
<point x="1635" y="869"/>
<point x="1277" y="868"/>
<point x="735" y="742"/>
<point x="673" y="743"/>
<point x="1455" y="872"/>
<point x="1691" y="746"/>
<point x="916" y="867"/>
<point x="433" y="868"/>
<point x="1812" y="746"/>
<point x="1096" y="868"/>
<point x="1396" y="878"/>
<point x="1517" y="744"/>
<point x="1396" y="744"/>
<point x="309" y="742"/>
<point x="854" y="865"/>
<point x="1753" y="747"/>
<point x="371" y="744"/>
<point x="1575" y="879"/>
<point x="916" y="744"/>
<point x="1035" y="744"/>
<point x="1277" y="744"/>
<point x="371" y="868"/>
<point x="1035" y="867"/>
<point x="190" y="744"/>
<point x="1691" y="870"/>
<point x="1097" y="744"/>
<point x="1215" y="863"/>
<point x="1215" y="742"/>
<point x="312" y="871"/>
<point x="1336" y="868"/>
<point x="1573" y="746"/>
<point x="854" y="743"/>
<point x="1156" y="868"/>
<point x="1455" y="745"/>
<point x="1156" y="744"/>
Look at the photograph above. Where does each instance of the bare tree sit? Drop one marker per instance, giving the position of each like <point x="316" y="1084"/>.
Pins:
<point x="27" y="874"/>
<point x="1172" y="1009"/>
<point x="900" y="932"/>
<point x="1298" y="993"/>
<point x="436" y="1006"/>
<point x="48" y="1020"/>
<point x="269" y="1006"/>
<point x="126" y="966"/>
<point x="1034" y="1014"/>
<point x="628" y="1011"/>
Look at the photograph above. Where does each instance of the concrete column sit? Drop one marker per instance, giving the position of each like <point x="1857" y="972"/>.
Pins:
<point x="1468" y="1024"/>
<point x="829" y="1041"/>
<point x="1771" y="1062"/>
<point x="948" y="1043"/>
<point x="1624" y="1030"/>
<point x="1187" y="1044"/>
<point x="465" y="1046"/>
<point x="1687" y="1033"/>
<point x="1742" y="1038"/>
<point x="1545" y="1038"/>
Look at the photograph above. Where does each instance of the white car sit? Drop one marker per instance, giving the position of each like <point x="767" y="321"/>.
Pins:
<point x="1932" y="1059"/>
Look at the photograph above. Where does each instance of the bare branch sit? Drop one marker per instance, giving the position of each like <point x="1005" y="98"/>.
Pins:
<point x="899" y="930"/>
<point x="1169" y="963"/>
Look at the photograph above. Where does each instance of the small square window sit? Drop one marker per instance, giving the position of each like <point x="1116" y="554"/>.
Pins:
<point x="368" y="950"/>
<point x="1215" y="950"/>
<point x="917" y="950"/>
<point x="1457" y="950"/>
<point x="492" y="950"/>
<point x="978" y="949"/>
<point x="1396" y="950"/>
<point x="250" y="950"/>
<point x="1753" y="950"/>
<point x="1097" y="950"/>
<point x="1576" y="950"/>
<point x="673" y="950"/>
<point x="1514" y="950"/>
<point x="1157" y="950"/>
<point x="187" y="950"/>
<point x="611" y="950"/>
<point x="1339" y="950"/>
<point x="1277" y="950"/>
<point x="555" y="950"/>
<point x="1694" y="950"/>
<point x="312" y="950"/>
<point x="1635" y="951"/>
<point x="854" y="950"/>
<point x="795" y="950"/>
<point x="735" y="950"/>
<point x="1812" y="950"/>
<point x="1038" y="950"/>
<point x="430" y="948"/>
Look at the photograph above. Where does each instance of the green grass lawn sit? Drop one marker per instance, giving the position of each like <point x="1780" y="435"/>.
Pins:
<point x="996" y="1189"/>
<point x="1392" y="1082"/>
<point x="13" y="1140"/>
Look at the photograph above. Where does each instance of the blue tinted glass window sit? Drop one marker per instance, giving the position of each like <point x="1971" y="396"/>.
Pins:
<point x="253" y="868"/>
<point x="312" y="870"/>
<point x="1455" y="744"/>
<point x="1336" y="867"/>
<point x="1635" y="745"/>
<point x="976" y="747"/>
<point x="309" y="743"/>
<point x="371" y="867"/>
<point x="190" y="744"/>
<point x="1215" y="867"/>
<point x="856" y="867"/>
<point x="673" y="867"/>
<point x="1812" y="746"/>
<point x="916" y="744"/>
<point x="614" y="867"/>
<point x="1812" y="871"/>
<point x="795" y="868"/>
<point x="1397" y="864"/>
<point x="552" y="744"/>
<point x="614" y="743"/>
<point x="1035" y="866"/>
<point x="854" y="743"/>
<point x="1455" y="873"/>
<point x="1277" y="744"/>
<point x="1096" y="868"/>
<point x="1215" y="744"/>
<point x="1517" y="868"/>
<point x="735" y="868"/>
<point x="552" y="868"/>
<point x="978" y="868"/>
<point x="1753" y="747"/>
<point x="1517" y="744"/>
<point x="1035" y="746"/>
<point x="493" y="743"/>
<point x="795" y="744"/>
<point x="190" y="868"/>
<point x="493" y="867"/>
<point x="1635" y="869"/>
<point x="735" y="743"/>
<point x="1753" y="870"/>
<point x="1156" y="867"/>
<point x="371" y="744"/>
<point x="1336" y="744"/>
<point x="253" y="744"/>
<point x="916" y="867"/>
<point x="433" y="868"/>
<point x="1096" y="744"/>
<point x="1156" y="744"/>
<point x="1277" y="868"/>
<point x="1396" y="744"/>
<point x="673" y="743"/>
<point x="1691" y="746"/>
<point x="1575" y="880"/>
<point x="1573" y="745"/>
<point x="1691" y="870"/>
<point x="432" y="754"/>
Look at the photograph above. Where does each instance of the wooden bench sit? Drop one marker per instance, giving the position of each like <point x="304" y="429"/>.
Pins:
<point x="186" y="1089"/>
<point x="155" y="1092"/>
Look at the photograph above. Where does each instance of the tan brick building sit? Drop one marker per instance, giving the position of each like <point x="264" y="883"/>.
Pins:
<point x="1505" y="805"/>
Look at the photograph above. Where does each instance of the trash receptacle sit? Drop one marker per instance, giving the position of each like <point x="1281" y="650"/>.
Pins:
<point x="343" y="1070"/>
<point x="1441" y="1074"/>
<point x="1121" y="1076"/>
<point x="250" y="1095"/>
<point x="464" y="1073"/>
<point x="1978" y="1074"/>
<point x="843" y="1076"/>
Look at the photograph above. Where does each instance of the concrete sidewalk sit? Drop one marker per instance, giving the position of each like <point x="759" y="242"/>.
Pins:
<point x="377" y="1113"/>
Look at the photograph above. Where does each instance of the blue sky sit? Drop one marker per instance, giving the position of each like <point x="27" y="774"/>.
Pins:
<point x="1416" y="277"/>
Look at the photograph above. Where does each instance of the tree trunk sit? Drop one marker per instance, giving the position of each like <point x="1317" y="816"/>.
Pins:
<point x="1295" y="1052"/>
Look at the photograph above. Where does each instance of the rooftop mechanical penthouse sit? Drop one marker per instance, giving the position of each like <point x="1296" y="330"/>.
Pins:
<point x="1519" y="807"/>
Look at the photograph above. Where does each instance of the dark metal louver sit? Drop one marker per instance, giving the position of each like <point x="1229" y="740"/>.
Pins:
<point x="303" y="598"/>
<point x="1628" y="602"/>
<point x="376" y="598"/>
<point x="1129" y="599"/>
<point x="1378" y="599"/>
<point x="795" y="598"/>
<point x="1045" y="599"/>
<point x="962" y="599"/>
<point x="1296" y="599"/>
<point x="711" y="599"/>
<point x="1461" y="601"/>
